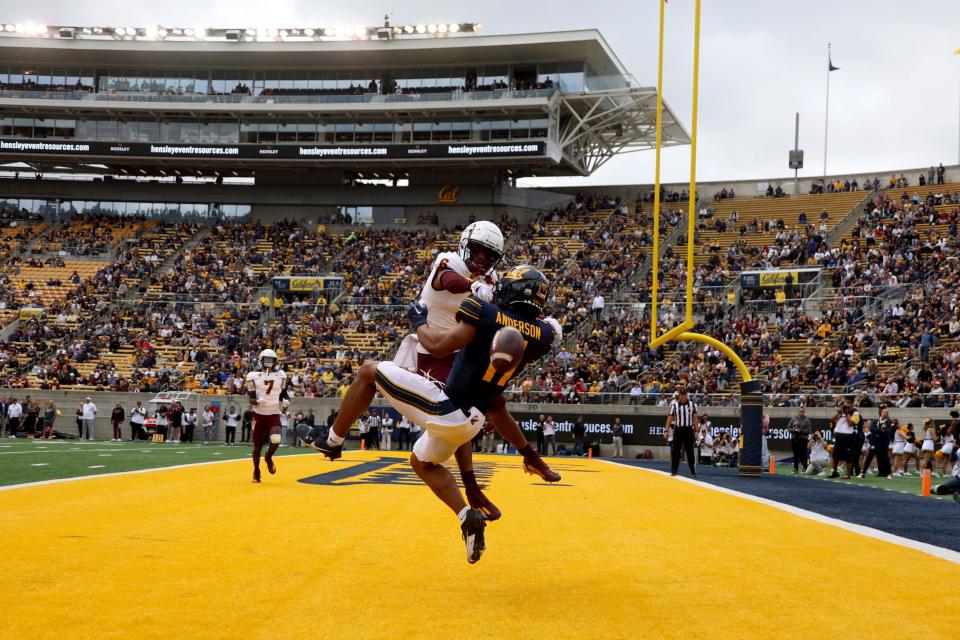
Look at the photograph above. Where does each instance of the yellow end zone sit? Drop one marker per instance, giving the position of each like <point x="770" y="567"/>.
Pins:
<point x="612" y="553"/>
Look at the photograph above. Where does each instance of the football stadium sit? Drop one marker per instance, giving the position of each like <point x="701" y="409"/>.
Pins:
<point x="286" y="311"/>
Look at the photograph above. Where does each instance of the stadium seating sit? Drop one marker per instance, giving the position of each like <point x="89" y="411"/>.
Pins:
<point x="182" y="306"/>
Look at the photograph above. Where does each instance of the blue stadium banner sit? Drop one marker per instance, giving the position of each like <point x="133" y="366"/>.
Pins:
<point x="776" y="277"/>
<point x="646" y="430"/>
<point x="305" y="284"/>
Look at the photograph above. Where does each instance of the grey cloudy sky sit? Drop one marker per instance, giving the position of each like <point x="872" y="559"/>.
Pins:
<point x="894" y="103"/>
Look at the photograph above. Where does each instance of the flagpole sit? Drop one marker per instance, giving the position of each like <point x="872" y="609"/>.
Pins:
<point x="826" y="119"/>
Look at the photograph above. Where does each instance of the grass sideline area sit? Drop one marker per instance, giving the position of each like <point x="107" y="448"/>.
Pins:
<point x="907" y="484"/>
<point x="24" y="461"/>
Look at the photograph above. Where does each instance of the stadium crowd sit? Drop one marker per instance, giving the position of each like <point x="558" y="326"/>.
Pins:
<point x="184" y="306"/>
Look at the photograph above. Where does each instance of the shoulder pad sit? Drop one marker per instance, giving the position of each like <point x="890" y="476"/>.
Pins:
<point x="453" y="262"/>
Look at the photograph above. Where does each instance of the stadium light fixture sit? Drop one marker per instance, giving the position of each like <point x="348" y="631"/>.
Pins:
<point x="152" y="32"/>
<point x="329" y="32"/>
<point x="9" y="28"/>
<point x="431" y="28"/>
<point x="162" y="33"/>
<point x="308" y="32"/>
<point x="421" y="28"/>
<point x="188" y="32"/>
<point x="442" y="28"/>
<point x="408" y="29"/>
<point x="251" y="32"/>
<point x="454" y="28"/>
<point x="360" y="30"/>
<point x="200" y="33"/>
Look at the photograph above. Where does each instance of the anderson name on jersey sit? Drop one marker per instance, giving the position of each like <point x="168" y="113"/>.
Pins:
<point x="267" y="385"/>
<point x="473" y="382"/>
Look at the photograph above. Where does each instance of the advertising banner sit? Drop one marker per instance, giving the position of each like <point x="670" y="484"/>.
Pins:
<point x="318" y="152"/>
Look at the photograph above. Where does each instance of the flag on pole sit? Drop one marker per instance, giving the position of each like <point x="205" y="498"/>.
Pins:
<point x="830" y="66"/>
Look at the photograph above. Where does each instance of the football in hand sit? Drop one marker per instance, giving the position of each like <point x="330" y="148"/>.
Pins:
<point x="506" y="350"/>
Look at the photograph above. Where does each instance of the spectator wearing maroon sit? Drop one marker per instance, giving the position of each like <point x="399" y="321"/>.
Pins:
<point x="116" y="419"/>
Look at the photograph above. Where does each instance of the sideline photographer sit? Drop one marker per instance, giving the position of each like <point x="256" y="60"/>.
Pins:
<point x="845" y="423"/>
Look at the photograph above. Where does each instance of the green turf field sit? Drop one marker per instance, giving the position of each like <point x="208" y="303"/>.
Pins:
<point x="33" y="460"/>
<point x="906" y="484"/>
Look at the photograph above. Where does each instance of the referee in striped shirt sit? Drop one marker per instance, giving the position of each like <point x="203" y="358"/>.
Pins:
<point x="685" y="422"/>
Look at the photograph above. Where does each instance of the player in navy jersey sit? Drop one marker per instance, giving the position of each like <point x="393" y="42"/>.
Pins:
<point x="455" y="414"/>
<point x="473" y="381"/>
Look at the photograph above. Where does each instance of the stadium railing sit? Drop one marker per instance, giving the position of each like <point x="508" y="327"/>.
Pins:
<point x="238" y="98"/>
<point x="732" y="399"/>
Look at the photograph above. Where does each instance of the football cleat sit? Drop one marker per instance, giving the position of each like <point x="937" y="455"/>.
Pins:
<point x="534" y="465"/>
<point x="472" y="530"/>
<point x="309" y="436"/>
<point x="481" y="503"/>
<point x="256" y="476"/>
<point x="272" y="468"/>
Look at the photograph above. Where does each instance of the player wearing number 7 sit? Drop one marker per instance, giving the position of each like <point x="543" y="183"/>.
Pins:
<point x="454" y="415"/>
<point x="267" y="389"/>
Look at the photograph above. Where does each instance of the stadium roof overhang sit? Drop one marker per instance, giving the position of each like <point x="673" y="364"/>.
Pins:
<point x="614" y="114"/>
<point x="587" y="45"/>
<point x="598" y="125"/>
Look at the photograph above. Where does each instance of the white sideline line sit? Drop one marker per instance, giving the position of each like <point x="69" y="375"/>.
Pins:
<point x="125" y="473"/>
<point x="870" y="532"/>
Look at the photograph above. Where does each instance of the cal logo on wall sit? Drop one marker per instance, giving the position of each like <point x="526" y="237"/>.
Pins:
<point x="448" y="194"/>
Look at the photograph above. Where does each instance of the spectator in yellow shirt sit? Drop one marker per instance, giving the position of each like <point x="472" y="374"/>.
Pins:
<point x="824" y="330"/>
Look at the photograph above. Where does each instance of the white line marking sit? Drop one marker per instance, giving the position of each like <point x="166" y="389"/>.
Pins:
<point x="104" y="455"/>
<point x="96" y="466"/>
<point x="939" y="552"/>
<point x="40" y="464"/>
<point x="38" y="483"/>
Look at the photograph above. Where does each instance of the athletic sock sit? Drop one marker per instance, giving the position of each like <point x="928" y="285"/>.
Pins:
<point x="526" y="451"/>
<point x="333" y="439"/>
<point x="463" y="514"/>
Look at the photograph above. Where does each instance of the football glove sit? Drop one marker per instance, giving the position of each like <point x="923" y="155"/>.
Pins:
<point x="417" y="314"/>
<point x="482" y="290"/>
